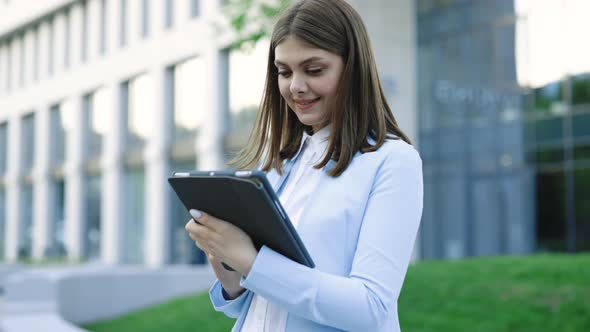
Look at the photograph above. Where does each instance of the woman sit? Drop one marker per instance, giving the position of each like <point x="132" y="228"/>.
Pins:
<point x="345" y="173"/>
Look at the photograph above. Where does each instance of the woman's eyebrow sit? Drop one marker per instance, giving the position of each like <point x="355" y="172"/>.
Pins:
<point x="303" y="63"/>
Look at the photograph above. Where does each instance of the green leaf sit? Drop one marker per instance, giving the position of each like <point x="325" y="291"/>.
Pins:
<point x="239" y="22"/>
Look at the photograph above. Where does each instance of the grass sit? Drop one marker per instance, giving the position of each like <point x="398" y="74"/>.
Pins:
<point x="192" y="313"/>
<point x="534" y="293"/>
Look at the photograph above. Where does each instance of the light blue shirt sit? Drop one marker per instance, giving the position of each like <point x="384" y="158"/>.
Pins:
<point x="359" y="229"/>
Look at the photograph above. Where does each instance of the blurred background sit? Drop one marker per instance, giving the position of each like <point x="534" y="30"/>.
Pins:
<point x="100" y="100"/>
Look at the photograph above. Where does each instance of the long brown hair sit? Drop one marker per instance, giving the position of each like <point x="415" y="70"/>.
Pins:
<point x="360" y="112"/>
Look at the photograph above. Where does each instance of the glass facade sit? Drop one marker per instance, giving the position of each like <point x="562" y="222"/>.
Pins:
<point x="3" y="166"/>
<point x="25" y="243"/>
<point x="58" y="135"/>
<point x="57" y="246"/>
<point x="93" y="215"/>
<point x="504" y="149"/>
<point x="28" y="141"/>
<point x="2" y="219"/>
<point x="134" y="219"/>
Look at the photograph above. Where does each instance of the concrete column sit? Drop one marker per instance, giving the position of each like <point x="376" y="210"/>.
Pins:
<point x="113" y="26"/>
<point x="112" y="209"/>
<point x="209" y="141"/>
<point x="182" y="11"/>
<point x="156" y="12"/>
<point x="134" y="15"/>
<point x="75" y="191"/>
<point x="210" y="8"/>
<point x="157" y="208"/>
<point x="43" y="209"/>
<point x="13" y="189"/>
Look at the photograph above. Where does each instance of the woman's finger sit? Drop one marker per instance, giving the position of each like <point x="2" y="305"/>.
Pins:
<point x="195" y="228"/>
<point x="206" y="220"/>
<point x="193" y="237"/>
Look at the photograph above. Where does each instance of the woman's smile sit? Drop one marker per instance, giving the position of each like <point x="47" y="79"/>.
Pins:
<point x="305" y="104"/>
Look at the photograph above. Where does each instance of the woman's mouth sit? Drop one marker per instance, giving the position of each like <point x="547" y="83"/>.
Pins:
<point x="304" y="104"/>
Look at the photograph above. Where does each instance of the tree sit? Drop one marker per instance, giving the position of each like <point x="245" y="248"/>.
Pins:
<point x="252" y="20"/>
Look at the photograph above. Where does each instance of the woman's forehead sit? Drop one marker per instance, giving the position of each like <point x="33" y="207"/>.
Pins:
<point x="293" y="50"/>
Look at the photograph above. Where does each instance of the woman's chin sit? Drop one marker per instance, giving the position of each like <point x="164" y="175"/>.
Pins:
<point x="307" y="120"/>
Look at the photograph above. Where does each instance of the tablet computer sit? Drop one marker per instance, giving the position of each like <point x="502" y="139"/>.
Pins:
<point x="247" y="200"/>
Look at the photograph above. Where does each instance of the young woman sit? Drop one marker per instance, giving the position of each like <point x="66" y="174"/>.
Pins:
<point x="345" y="173"/>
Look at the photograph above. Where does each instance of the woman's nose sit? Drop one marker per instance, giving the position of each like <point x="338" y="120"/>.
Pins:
<point x="298" y="85"/>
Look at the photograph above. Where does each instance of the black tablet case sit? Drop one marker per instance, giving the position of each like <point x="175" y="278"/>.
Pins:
<point x="246" y="199"/>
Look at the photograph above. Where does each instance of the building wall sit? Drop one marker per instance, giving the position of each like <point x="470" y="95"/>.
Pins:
<point x="64" y="58"/>
<point x="502" y="101"/>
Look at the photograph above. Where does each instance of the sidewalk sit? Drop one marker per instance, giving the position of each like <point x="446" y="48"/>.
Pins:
<point x="61" y="299"/>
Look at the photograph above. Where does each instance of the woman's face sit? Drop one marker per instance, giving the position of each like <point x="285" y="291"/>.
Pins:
<point x="308" y="78"/>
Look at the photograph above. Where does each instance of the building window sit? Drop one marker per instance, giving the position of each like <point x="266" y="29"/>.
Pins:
<point x="95" y="117"/>
<point x="93" y="216"/>
<point x="2" y="68"/>
<point x="57" y="246"/>
<point x="133" y="227"/>
<point x="51" y="47"/>
<point x="145" y="18"/>
<point x="103" y="27"/>
<point x="84" y="40"/>
<point x="582" y="212"/>
<point x="581" y="91"/>
<point x="244" y="99"/>
<point x="58" y="134"/>
<point x="140" y="111"/>
<point x="28" y="141"/>
<point x="194" y="8"/>
<point x="169" y="14"/>
<point x="22" y="62"/>
<point x="95" y="109"/>
<point x="3" y="148"/>
<point x="2" y="219"/>
<point x="25" y="242"/>
<point x="123" y="24"/>
<point x="8" y="71"/>
<point x="67" y="37"/>
<point x="189" y="98"/>
<point x="35" y="64"/>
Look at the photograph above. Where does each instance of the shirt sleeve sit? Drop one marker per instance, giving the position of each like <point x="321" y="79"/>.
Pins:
<point x="230" y="308"/>
<point x="366" y="298"/>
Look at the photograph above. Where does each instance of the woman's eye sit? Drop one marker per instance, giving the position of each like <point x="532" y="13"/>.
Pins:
<point x="314" y="71"/>
<point x="284" y="73"/>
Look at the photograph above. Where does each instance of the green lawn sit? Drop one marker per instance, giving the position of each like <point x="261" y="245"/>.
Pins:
<point x="535" y="293"/>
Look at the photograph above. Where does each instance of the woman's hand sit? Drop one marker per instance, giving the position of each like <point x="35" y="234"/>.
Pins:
<point x="223" y="242"/>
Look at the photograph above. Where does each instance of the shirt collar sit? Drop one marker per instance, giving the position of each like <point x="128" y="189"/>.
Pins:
<point x="316" y="141"/>
<point x="320" y="139"/>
